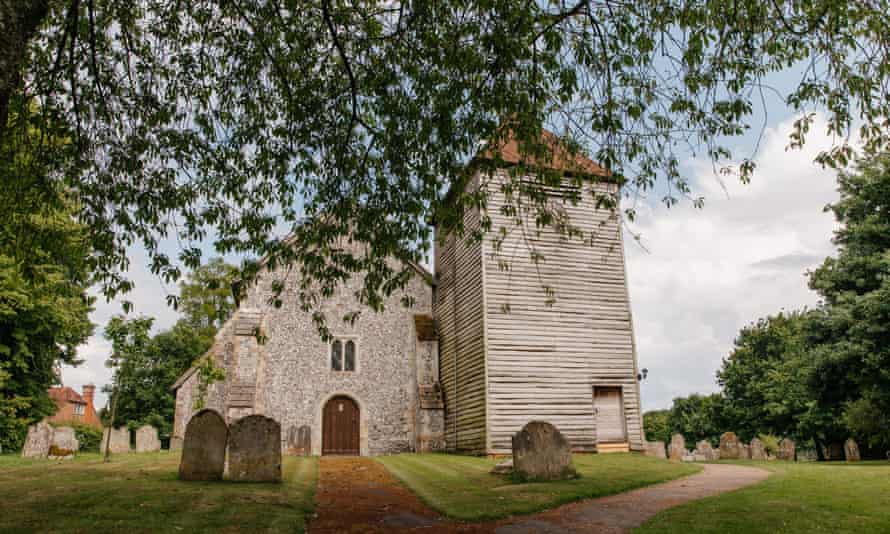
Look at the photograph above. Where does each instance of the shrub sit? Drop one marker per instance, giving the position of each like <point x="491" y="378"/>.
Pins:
<point x="770" y="443"/>
<point x="88" y="437"/>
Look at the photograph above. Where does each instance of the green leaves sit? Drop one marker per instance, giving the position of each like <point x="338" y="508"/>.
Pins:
<point x="246" y="121"/>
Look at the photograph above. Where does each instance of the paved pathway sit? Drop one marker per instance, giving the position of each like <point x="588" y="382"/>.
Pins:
<point x="360" y="495"/>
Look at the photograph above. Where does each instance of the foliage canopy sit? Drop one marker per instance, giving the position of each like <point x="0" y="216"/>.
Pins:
<point x="244" y="121"/>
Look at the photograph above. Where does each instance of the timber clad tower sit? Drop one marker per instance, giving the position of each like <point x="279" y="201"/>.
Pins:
<point x="512" y="352"/>
<point x="483" y="350"/>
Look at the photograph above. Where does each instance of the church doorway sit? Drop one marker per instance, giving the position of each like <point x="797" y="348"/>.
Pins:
<point x="340" y="427"/>
<point x="611" y="432"/>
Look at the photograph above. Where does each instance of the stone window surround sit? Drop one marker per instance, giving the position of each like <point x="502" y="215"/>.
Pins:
<point x="343" y="339"/>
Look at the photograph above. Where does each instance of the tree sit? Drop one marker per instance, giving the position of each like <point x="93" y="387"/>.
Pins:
<point x="44" y="273"/>
<point x="656" y="424"/>
<point x="148" y="365"/>
<point x="205" y="298"/>
<point x="851" y="378"/>
<point x="765" y="378"/>
<point x="698" y="417"/>
<point x="250" y="119"/>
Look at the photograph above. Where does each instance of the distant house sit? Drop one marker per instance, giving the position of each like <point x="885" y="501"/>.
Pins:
<point x="73" y="407"/>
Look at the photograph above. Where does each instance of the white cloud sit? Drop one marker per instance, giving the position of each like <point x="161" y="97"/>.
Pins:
<point x="708" y="272"/>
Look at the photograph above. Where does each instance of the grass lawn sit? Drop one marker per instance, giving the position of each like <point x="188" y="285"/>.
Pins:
<point x="461" y="487"/>
<point x="805" y="498"/>
<point x="140" y="493"/>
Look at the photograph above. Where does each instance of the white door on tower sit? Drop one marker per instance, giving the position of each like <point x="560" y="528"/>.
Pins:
<point x="609" y="415"/>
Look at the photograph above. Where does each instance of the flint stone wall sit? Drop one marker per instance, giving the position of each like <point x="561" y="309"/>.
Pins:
<point x="38" y="441"/>
<point x="120" y="440"/>
<point x="289" y="378"/>
<point x="64" y="442"/>
<point x="147" y="439"/>
<point x="677" y="449"/>
<point x="204" y="447"/>
<point x="654" y="449"/>
<point x="255" y="450"/>
<point x="541" y="452"/>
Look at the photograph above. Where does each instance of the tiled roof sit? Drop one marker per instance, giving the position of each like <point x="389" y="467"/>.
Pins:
<point x="65" y="394"/>
<point x="561" y="158"/>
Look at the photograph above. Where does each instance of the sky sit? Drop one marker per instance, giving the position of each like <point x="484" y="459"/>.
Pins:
<point x="698" y="276"/>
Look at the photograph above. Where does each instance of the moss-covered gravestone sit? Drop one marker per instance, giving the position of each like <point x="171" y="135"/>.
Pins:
<point x="541" y="452"/>
<point x="255" y="450"/>
<point x="731" y="448"/>
<point x="64" y="443"/>
<point x="204" y="447"/>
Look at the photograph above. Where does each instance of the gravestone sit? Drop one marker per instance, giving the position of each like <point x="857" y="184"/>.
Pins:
<point x="299" y="441"/>
<point x="834" y="451"/>
<point x="39" y="440"/>
<point x="255" y="449"/>
<point x="851" y="451"/>
<point x="758" y="450"/>
<point x="119" y="443"/>
<point x="730" y="447"/>
<point x="204" y="447"/>
<point x="677" y="448"/>
<point x="64" y="443"/>
<point x="654" y="449"/>
<point x="787" y="450"/>
<point x="147" y="439"/>
<point x="704" y="452"/>
<point x="541" y="452"/>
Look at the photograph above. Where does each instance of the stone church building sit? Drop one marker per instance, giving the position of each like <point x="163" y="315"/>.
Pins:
<point x="484" y="349"/>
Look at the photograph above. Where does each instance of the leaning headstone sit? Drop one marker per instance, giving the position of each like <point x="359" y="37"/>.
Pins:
<point x="299" y="441"/>
<point x="787" y="450"/>
<point x="39" y="440"/>
<point x="730" y="447"/>
<point x="64" y="443"/>
<point x="677" y="448"/>
<point x="654" y="449"/>
<point x="705" y="452"/>
<point x="255" y="449"/>
<point x="119" y="442"/>
<point x="204" y="447"/>
<point x="758" y="450"/>
<point x="147" y="439"/>
<point x="541" y="452"/>
<point x="851" y="451"/>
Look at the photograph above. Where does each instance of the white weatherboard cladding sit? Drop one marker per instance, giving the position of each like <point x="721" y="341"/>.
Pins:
<point x="543" y="359"/>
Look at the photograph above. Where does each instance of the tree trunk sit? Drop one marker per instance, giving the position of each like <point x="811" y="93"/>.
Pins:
<point x="111" y="422"/>
<point x="19" y="20"/>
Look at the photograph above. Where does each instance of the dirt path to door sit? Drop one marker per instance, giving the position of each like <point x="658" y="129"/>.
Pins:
<point x="359" y="495"/>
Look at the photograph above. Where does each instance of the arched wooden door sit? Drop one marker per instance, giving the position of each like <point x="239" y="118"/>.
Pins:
<point x="340" y="427"/>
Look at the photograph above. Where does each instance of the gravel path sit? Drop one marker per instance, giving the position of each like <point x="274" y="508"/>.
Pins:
<point x="359" y="495"/>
